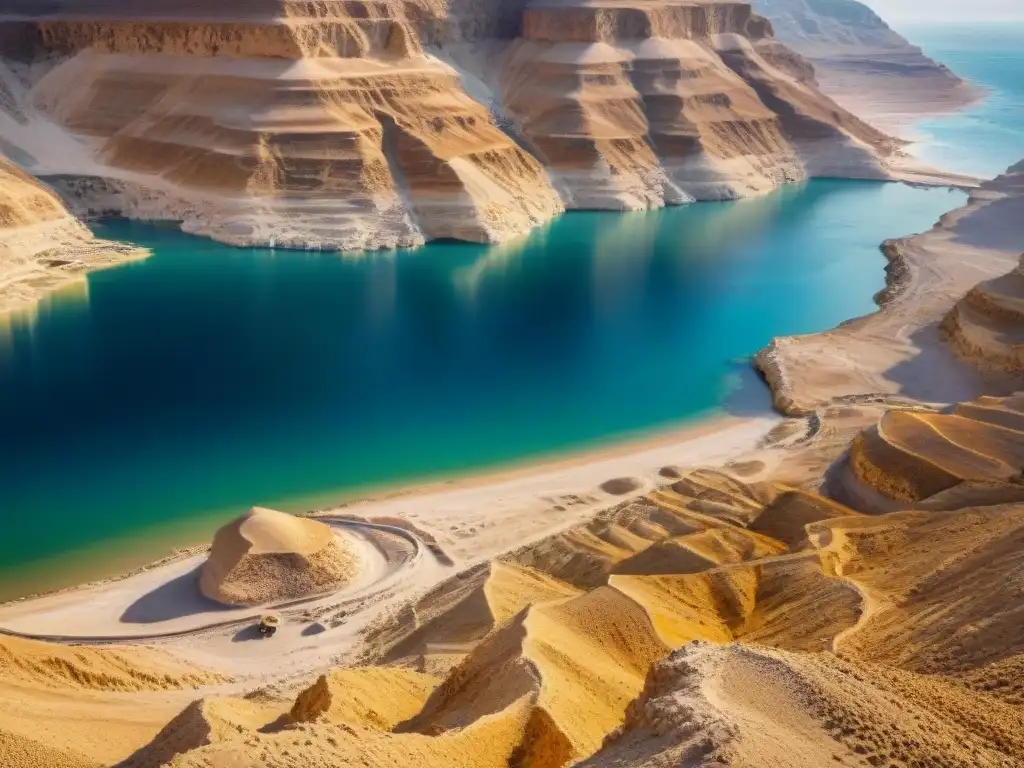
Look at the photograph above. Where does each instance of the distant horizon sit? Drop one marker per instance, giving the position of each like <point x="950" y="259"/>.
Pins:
<point x="909" y="11"/>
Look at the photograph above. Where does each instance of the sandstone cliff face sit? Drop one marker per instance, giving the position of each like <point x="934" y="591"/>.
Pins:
<point x="320" y="125"/>
<point x="41" y="244"/>
<point x="636" y="105"/>
<point x="354" y="124"/>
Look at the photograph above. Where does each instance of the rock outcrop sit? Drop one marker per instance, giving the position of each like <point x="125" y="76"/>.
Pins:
<point x="290" y="123"/>
<point x="266" y="556"/>
<point x="41" y="244"/>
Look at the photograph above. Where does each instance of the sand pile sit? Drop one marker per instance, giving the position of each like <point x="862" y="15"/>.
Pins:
<point x="910" y="457"/>
<point x="266" y="556"/>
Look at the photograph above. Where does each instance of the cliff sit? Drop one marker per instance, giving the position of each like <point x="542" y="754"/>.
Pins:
<point x="315" y="125"/>
<point x="41" y="244"/>
<point x="636" y="105"/>
<point x="862" y="62"/>
<point x="385" y="123"/>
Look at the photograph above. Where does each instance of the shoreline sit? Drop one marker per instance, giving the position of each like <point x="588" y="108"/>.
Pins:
<point x="898" y="349"/>
<point x="617" y="449"/>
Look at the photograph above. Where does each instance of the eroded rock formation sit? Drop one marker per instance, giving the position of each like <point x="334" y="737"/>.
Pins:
<point x="306" y="124"/>
<point x="355" y="124"/>
<point x="640" y="105"/>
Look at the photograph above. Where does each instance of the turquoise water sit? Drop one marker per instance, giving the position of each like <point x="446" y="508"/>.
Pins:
<point x="988" y="138"/>
<point x="206" y="379"/>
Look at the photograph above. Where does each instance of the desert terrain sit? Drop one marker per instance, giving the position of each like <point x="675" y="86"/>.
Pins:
<point x="839" y="584"/>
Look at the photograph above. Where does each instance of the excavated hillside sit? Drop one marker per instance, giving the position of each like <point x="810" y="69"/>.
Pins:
<point x="41" y="244"/>
<point x="305" y="124"/>
<point x="674" y="631"/>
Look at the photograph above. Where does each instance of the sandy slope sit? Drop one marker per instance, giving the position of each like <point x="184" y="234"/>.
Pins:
<point x="64" y="706"/>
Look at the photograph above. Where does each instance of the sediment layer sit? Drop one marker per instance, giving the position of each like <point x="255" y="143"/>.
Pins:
<point x="636" y="106"/>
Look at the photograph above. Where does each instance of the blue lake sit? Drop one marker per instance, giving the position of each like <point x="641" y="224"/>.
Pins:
<point x="171" y="393"/>
<point x="989" y="137"/>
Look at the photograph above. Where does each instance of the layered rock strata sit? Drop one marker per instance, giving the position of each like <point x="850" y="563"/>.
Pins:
<point x="41" y="244"/>
<point x="637" y="105"/>
<point x="317" y="125"/>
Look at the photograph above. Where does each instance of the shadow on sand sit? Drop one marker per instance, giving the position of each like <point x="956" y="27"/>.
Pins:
<point x="176" y="599"/>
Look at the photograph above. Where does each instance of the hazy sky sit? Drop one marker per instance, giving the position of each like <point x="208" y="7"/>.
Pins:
<point x="948" y="10"/>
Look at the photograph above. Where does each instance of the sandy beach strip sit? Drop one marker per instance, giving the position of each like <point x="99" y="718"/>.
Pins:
<point x="534" y="483"/>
